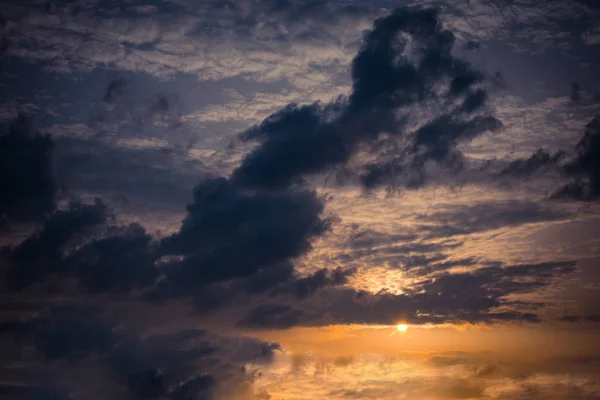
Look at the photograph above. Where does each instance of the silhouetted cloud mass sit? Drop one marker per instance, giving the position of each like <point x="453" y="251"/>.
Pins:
<point x="230" y="233"/>
<point x="43" y="253"/>
<point x="27" y="182"/>
<point x="404" y="62"/>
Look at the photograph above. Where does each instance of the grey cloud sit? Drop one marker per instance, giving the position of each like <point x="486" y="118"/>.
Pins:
<point x="114" y="89"/>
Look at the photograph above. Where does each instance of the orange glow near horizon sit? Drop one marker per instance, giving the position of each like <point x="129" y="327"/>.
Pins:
<point x="402" y="327"/>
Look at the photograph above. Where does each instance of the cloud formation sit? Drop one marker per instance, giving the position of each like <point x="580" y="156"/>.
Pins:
<point x="190" y="364"/>
<point x="405" y="61"/>
<point x="27" y="182"/>
<point x="585" y="168"/>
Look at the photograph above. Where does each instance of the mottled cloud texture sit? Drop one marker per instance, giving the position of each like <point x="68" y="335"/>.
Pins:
<point x="241" y="200"/>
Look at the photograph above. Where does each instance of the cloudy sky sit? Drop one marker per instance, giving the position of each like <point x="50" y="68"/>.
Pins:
<point x="299" y="199"/>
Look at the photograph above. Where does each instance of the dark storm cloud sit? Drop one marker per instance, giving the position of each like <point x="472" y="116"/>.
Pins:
<point x="232" y="244"/>
<point x="281" y="281"/>
<point x="80" y="243"/>
<point x="42" y="254"/>
<point x="585" y="168"/>
<point x="192" y="364"/>
<point x="309" y="285"/>
<point x="299" y="141"/>
<point x="27" y="182"/>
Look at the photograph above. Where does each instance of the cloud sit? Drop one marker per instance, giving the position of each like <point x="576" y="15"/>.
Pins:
<point x="585" y="168"/>
<point x="274" y="316"/>
<point x="114" y="89"/>
<point x="526" y="167"/>
<point x="121" y="262"/>
<point x="203" y="38"/>
<point x="481" y="295"/>
<point x="155" y="177"/>
<point x="578" y="318"/>
<point x="229" y="233"/>
<point x="27" y="182"/>
<point x="42" y="253"/>
<point x="188" y="364"/>
<point x="485" y="216"/>
<point x="80" y="243"/>
<point x="405" y="61"/>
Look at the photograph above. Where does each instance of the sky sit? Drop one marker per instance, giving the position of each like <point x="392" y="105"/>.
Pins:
<point x="299" y="199"/>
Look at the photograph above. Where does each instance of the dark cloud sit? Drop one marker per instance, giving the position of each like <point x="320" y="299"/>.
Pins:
<point x="575" y="92"/>
<point x="232" y="243"/>
<point x="570" y="318"/>
<point x="274" y="316"/>
<point x="309" y="285"/>
<point x="230" y="233"/>
<point x="27" y="182"/>
<point x="190" y="364"/>
<point x="472" y="45"/>
<point x="121" y="261"/>
<point x="585" y="168"/>
<point x="43" y="253"/>
<point x="475" y="296"/>
<point x="16" y="392"/>
<point x="390" y="73"/>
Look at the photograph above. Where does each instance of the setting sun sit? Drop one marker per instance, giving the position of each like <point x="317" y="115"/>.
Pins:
<point x="402" y="327"/>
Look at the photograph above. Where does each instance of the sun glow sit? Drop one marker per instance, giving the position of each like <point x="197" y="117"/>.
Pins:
<point x="402" y="327"/>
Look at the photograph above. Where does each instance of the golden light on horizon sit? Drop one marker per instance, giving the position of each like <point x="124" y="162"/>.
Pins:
<point x="402" y="327"/>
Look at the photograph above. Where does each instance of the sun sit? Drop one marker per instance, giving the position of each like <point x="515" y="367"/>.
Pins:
<point x="402" y="327"/>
